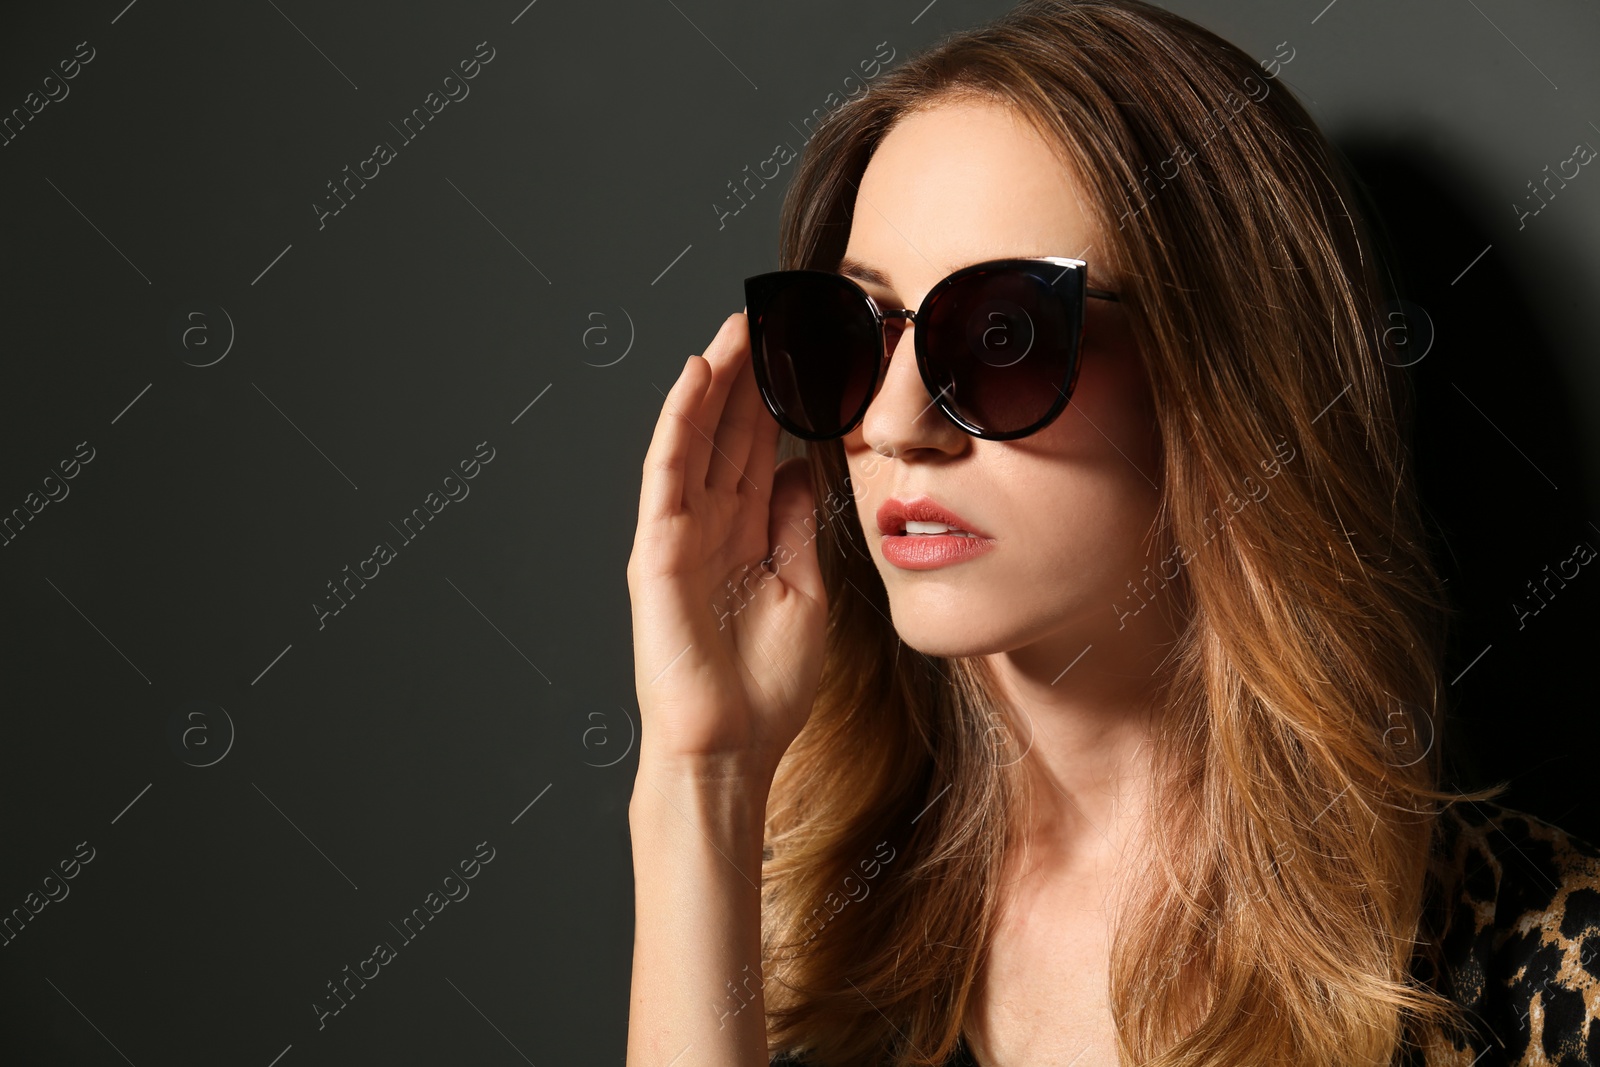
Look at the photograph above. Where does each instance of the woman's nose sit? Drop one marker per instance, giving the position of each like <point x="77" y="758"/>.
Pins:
<point x="903" y="415"/>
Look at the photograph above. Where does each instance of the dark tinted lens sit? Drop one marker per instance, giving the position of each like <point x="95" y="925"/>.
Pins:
<point x="1004" y="343"/>
<point x="817" y="352"/>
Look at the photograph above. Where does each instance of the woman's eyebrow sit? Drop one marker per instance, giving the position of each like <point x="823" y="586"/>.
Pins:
<point x="854" y="268"/>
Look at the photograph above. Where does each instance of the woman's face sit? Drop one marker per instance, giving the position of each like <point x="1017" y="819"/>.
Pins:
<point x="1068" y="507"/>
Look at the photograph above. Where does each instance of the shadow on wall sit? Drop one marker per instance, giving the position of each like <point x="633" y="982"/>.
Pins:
<point x="1504" y="484"/>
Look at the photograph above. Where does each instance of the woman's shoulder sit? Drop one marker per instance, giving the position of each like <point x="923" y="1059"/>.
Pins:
<point x="1519" y="875"/>
<point x="1521" y="939"/>
<point x="1521" y="933"/>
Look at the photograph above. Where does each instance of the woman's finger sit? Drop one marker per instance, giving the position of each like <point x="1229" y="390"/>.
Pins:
<point x="661" y="494"/>
<point x="763" y="456"/>
<point x="730" y="462"/>
<point x="709" y="412"/>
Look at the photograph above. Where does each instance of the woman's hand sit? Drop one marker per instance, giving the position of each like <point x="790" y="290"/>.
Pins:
<point x="725" y="674"/>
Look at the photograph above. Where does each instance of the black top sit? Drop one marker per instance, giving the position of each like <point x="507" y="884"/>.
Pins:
<point x="1520" y="943"/>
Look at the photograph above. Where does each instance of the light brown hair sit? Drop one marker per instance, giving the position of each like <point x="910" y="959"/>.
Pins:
<point x="1290" y="824"/>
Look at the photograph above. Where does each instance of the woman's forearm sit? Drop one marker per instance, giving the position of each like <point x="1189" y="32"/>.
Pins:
<point x="697" y="841"/>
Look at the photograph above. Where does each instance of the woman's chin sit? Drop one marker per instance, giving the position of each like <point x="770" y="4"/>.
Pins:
<point x="942" y="635"/>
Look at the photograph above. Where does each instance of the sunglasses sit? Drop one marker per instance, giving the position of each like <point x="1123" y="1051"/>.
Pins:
<point x="997" y="344"/>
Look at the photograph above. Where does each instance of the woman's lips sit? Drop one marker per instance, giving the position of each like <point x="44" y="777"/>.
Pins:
<point x="924" y="552"/>
<point x="893" y="515"/>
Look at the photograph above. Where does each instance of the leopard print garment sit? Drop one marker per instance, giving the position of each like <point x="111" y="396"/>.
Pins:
<point x="1519" y="943"/>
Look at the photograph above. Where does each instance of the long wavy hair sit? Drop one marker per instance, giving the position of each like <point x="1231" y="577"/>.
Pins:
<point x="1296" y="770"/>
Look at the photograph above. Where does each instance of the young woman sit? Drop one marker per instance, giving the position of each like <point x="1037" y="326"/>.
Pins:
<point x="1075" y="696"/>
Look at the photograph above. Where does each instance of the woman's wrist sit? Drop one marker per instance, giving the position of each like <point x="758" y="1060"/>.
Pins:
<point x="740" y="771"/>
<point x="696" y="829"/>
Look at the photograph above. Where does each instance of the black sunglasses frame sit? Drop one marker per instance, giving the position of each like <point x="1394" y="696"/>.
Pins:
<point x="1068" y="283"/>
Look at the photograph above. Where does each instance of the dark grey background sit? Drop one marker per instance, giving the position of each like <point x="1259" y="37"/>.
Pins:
<point x="531" y="271"/>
